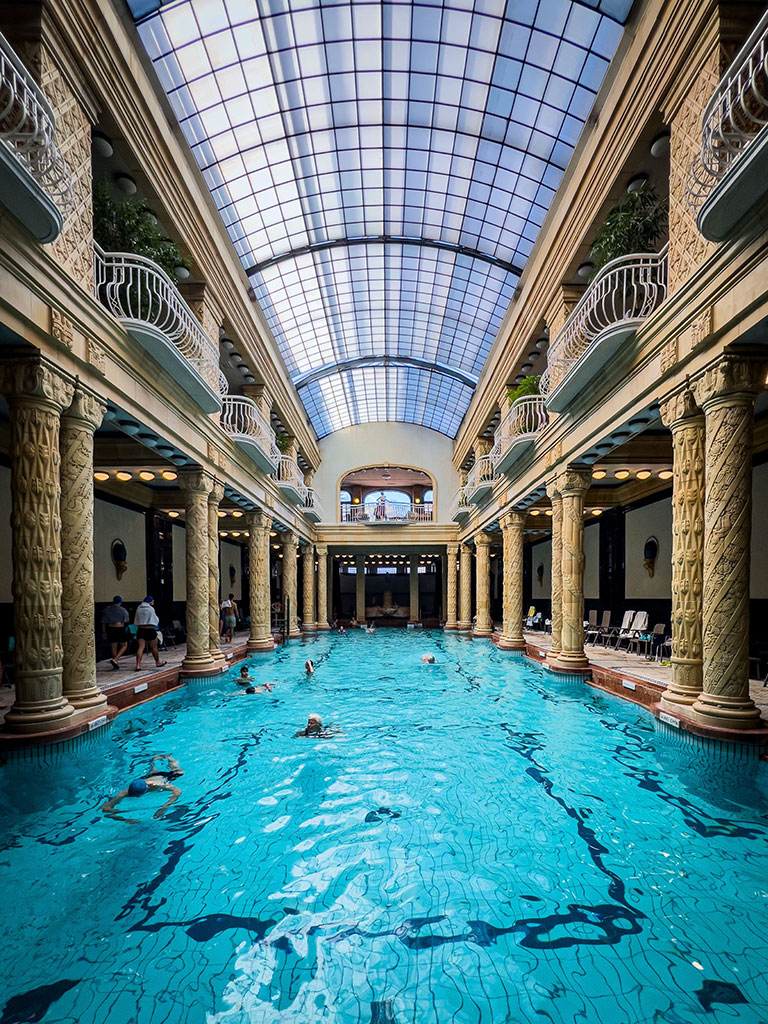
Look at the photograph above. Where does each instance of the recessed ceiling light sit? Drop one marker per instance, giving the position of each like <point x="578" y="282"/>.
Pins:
<point x="168" y="474"/>
<point x="597" y="511"/>
<point x="146" y="475"/>
<point x="223" y="533"/>
<point x="643" y="474"/>
<point x="221" y="514"/>
<point x="122" y="475"/>
<point x="101" y="476"/>
<point x="598" y="474"/>
<point x="636" y="182"/>
<point x="235" y="533"/>
<point x="547" y="511"/>
<point x="585" y="269"/>
<point x="535" y="511"/>
<point x="173" y="515"/>
<point x="665" y="474"/>
<point x="621" y="474"/>
<point x="237" y="514"/>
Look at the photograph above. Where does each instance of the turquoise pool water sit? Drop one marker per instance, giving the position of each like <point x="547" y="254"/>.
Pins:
<point x="478" y="843"/>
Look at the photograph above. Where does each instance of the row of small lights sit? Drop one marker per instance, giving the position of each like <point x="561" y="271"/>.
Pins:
<point x="123" y="476"/>
<point x="356" y="501"/>
<point x="622" y="474"/>
<point x="548" y="512"/>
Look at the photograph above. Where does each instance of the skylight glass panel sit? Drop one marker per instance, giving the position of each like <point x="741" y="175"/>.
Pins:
<point x="332" y="134"/>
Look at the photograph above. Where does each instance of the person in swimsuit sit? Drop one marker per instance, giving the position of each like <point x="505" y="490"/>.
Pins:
<point x="229" y="608"/>
<point x="155" y="779"/>
<point x="314" y="729"/>
<point x="428" y="659"/>
<point x="309" y="667"/>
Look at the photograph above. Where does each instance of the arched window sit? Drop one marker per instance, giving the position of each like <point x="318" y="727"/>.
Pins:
<point x="396" y="497"/>
<point x="345" y="497"/>
<point x="429" y="495"/>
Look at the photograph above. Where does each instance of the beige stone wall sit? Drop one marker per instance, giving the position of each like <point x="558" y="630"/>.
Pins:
<point x="641" y="523"/>
<point x="111" y="522"/>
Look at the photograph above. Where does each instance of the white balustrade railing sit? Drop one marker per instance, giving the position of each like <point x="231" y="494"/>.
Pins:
<point x="387" y="511"/>
<point x="460" y="501"/>
<point x="136" y="289"/>
<point x="528" y="415"/>
<point x="289" y="473"/>
<point x="482" y="472"/>
<point x="28" y="128"/>
<point x="312" y="504"/>
<point x="629" y="288"/>
<point x="241" y="417"/>
<point x="734" y="116"/>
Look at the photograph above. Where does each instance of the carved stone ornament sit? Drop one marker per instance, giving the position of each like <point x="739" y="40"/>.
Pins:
<point x="97" y="356"/>
<point x="730" y="376"/>
<point x="679" y="405"/>
<point x="574" y="481"/>
<point x="702" y="327"/>
<point x="37" y="379"/>
<point x="669" y="354"/>
<point x="61" y="328"/>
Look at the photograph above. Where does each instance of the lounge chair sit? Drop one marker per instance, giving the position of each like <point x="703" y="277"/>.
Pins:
<point x="639" y="626"/>
<point x="647" y="643"/>
<point x="595" y="631"/>
<point x="616" y="631"/>
<point x="529" y="617"/>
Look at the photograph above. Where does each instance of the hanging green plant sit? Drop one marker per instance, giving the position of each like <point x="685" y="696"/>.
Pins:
<point x="527" y="386"/>
<point x="637" y="224"/>
<point x="283" y="442"/>
<point x="126" y="226"/>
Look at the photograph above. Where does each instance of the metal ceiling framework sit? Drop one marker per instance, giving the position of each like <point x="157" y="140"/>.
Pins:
<point x="383" y="170"/>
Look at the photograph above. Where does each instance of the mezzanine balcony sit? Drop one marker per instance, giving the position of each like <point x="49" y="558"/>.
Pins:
<point x="387" y="513"/>
<point x="622" y="296"/>
<point x="35" y="181"/>
<point x="143" y="298"/>
<point x="480" y="479"/>
<point x="312" y="508"/>
<point x="461" y="505"/>
<point x="518" y="430"/>
<point x="729" y="177"/>
<point x="290" y="480"/>
<point x="247" y="425"/>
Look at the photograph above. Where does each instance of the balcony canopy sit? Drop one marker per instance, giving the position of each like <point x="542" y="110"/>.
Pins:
<point x="383" y="169"/>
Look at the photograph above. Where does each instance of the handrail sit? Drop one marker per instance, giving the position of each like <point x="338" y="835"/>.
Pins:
<point x="28" y="128"/>
<point x="241" y="417"/>
<point x="482" y="472"/>
<point x="460" y="500"/>
<point x="734" y="116"/>
<point x="528" y="415"/>
<point x="135" y="288"/>
<point x="387" y="511"/>
<point x="288" y="472"/>
<point x="629" y="288"/>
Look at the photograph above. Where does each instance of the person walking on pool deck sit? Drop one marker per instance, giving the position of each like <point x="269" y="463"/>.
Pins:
<point x="147" y="621"/>
<point x="155" y="779"/>
<point x="229" y="608"/>
<point x="114" y="619"/>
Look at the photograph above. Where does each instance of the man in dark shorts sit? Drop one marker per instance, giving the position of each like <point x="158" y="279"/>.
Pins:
<point x="147" y="622"/>
<point x="114" y="619"/>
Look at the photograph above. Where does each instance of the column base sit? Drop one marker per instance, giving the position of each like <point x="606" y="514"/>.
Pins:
<point x="198" y="663"/>
<point x="464" y="627"/>
<point x="686" y="685"/>
<point x="40" y="716"/>
<point x="507" y="643"/>
<point x="309" y="627"/>
<point x="323" y="627"/>
<point x="572" y="659"/>
<point x="87" y="699"/>
<point x="723" y="712"/>
<point x="266" y="644"/>
<point x="484" y="633"/>
<point x="451" y="626"/>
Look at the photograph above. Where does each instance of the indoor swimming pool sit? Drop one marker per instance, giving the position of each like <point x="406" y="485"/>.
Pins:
<point x="475" y="841"/>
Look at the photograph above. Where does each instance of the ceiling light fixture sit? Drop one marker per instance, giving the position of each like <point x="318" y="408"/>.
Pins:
<point x="237" y="513"/>
<point x="621" y="474"/>
<point x="665" y="474"/>
<point x="173" y="515"/>
<point x="146" y="475"/>
<point x="126" y="184"/>
<point x="122" y="475"/>
<point x="597" y="511"/>
<point x="101" y="476"/>
<point x="636" y="182"/>
<point x="643" y="474"/>
<point x="101" y="143"/>
<point x="660" y="144"/>
<point x="535" y="511"/>
<point x="585" y="269"/>
<point x="168" y="474"/>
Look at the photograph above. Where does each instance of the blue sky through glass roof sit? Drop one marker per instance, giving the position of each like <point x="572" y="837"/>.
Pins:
<point x="448" y="123"/>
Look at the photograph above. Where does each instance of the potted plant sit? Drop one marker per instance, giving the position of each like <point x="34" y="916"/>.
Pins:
<point x="636" y="225"/>
<point x="527" y="386"/>
<point x="122" y="225"/>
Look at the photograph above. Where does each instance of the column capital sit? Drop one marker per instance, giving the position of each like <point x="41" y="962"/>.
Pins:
<point x="195" y="481"/>
<point x="37" y="379"/>
<point x="86" y="409"/>
<point x="679" y="406"/>
<point x="553" y="492"/>
<point x="513" y="520"/>
<point x="216" y="494"/>
<point x="290" y="540"/>
<point x="259" y="520"/>
<point x="574" y="481"/>
<point x="482" y="539"/>
<point x="452" y="549"/>
<point x="321" y="549"/>
<point x="731" y="377"/>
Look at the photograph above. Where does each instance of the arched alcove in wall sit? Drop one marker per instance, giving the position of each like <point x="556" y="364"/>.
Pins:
<point x="386" y="492"/>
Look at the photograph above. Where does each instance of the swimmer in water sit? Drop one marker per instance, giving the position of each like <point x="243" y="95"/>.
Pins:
<point x="247" y="680"/>
<point x="309" y="667"/>
<point x="428" y="659"/>
<point x="314" y="729"/>
<point x="370" y="629"/>
<point x="155" y="779"/>
<point x="342" y="631"/>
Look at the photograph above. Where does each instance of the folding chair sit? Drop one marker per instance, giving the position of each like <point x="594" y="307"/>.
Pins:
<point x="596" y="631"/>
<point x="649" y="642"/>
<point x="616" y="631"/>
<point x="529" y="617"/>
<point x="639" y="625"/>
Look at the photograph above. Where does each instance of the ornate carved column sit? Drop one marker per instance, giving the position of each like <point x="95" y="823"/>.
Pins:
<point x="556" y="614"/>
<point x="290" y="544"/>
<point x="214" y="500"/>
<point x="78" y="425"/>
<point x="512" y="631"/>
<point x="483" y="624"/>
<point x="260" y="636"/>
<point x="322" y="586"/>
<point x="37" y="394"/>
<point x="196" y="486"/>
<point x="680" y="413"/>
<point x="360" y="588"/>
<point x="413" y="584"/>
<point x="465" y="588"/>
<point x="309" y="625"/>
<point x="726" y="392"/>
<point x="450" y="612"/>
<point x="573" y="484"/>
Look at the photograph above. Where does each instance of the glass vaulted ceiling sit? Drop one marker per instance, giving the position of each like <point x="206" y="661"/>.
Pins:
<point x="383" y="169"/>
